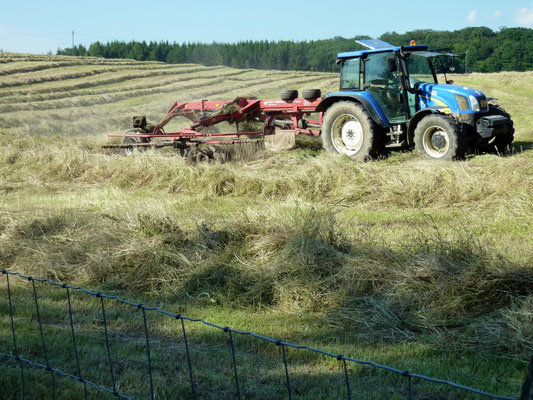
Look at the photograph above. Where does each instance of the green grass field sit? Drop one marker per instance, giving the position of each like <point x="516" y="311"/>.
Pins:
<point x="421" y="265"/>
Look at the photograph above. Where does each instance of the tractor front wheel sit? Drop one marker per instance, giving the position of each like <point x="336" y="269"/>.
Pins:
<point x="348" y="129"/>
<point x="439" y="137"/>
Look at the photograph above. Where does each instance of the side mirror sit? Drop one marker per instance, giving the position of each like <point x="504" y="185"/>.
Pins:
<point x="449" y="82"/>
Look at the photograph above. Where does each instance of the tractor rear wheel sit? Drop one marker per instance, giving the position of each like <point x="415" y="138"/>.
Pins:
<point x="132" y="140"/>
<point x="439" y="137"/>
<point x="348" y="129"/>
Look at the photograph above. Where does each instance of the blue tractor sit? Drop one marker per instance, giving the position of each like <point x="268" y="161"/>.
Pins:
<point x="399" y="97"/>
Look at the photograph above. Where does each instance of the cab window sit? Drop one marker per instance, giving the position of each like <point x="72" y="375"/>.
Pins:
<point x="380" y="69"/>
<point x="350" y="74"/>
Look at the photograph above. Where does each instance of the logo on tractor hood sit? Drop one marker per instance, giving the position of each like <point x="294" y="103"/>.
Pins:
<point x="443" y="91"/>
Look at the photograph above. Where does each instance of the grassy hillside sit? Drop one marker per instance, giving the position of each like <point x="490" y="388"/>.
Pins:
<point x="423" y="265"/>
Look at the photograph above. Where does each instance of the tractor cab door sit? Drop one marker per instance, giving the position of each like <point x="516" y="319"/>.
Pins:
<point x="382" y="81"/>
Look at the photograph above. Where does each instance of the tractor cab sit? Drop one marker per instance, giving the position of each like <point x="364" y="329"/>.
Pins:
<point x="392" y="75"/>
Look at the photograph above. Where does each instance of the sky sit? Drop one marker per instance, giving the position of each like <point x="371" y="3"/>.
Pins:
<point x="31" y="26"/>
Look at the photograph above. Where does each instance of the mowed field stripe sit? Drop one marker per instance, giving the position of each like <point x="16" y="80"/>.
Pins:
<point x="113" y="97"/>
<point x="112" y="84"/>
<point x="72" y="72"/>
<point x="88" y="81"/>
<point x="21" y="67"/>
<point x="24" y="100"/>
<point x="6" y="57"/>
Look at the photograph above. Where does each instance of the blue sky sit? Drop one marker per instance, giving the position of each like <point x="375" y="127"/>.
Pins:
<point x="42" y="26"/>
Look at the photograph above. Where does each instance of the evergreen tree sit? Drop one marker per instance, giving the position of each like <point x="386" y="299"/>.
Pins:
<point x="488" y="51"/>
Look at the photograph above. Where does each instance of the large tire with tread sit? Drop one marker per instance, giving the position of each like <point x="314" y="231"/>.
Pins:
<point x="289" y="94"/>
<point x="134" y="140"/>
<point x="440" y="137"/>
<point x="348" y="129"/>
<point x="311" y="93"/>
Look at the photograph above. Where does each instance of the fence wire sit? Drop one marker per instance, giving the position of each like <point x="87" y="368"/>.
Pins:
<point x="24" y="363"/>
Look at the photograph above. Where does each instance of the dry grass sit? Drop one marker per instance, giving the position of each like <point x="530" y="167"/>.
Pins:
<point x="440" y="284"/>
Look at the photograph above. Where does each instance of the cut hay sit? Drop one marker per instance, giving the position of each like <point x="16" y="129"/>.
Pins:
<point x="281" y="140"/>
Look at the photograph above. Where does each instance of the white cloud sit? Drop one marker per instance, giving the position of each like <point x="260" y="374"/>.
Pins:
<point x="472" y="16"/>
<point x="524" y="17"/>
<point x="496" y="14"/>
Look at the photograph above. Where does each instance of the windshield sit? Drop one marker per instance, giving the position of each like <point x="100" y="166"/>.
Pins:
<point x="443" y="64"/>
<point x="421" y="67"/>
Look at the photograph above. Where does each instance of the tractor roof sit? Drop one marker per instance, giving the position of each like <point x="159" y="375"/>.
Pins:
<point x="379" y="46"/>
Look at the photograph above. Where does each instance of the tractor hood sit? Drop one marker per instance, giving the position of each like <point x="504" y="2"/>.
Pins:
<point x="459" y="99"/>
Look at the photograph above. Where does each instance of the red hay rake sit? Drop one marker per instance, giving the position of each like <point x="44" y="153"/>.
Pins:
<point x="285" y="113"/>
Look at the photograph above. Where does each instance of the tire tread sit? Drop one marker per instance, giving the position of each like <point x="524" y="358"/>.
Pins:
<point x="458" y="139"/>
<point x="374" y="141"/>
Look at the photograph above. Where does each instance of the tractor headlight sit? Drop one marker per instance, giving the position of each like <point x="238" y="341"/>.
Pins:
<point x="463" y="102"/>
<point x="475" y="103"/>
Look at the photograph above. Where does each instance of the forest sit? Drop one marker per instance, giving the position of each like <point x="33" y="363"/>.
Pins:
<point x="479" y="49"/>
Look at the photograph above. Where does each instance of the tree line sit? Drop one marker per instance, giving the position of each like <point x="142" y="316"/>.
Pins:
<point x="480" y="49"/>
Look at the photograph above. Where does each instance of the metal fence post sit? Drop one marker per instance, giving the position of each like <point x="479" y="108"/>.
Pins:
<point x="280" y="343"/>
<point x="188" y="355"/>
<point x="43" y="341"/>
<point x="15" y="339"/>
<point x="74" y="341"/>
<point x="148" y="351"/>
<point x="238" y="393"/>
<point x="107" y="345"/>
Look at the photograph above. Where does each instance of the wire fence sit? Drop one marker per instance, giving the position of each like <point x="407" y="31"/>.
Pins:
<point x="190" y="375"/>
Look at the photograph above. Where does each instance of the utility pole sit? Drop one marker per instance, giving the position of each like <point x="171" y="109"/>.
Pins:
<point x="72" y="42"/>
<point x="466" y="61"/>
